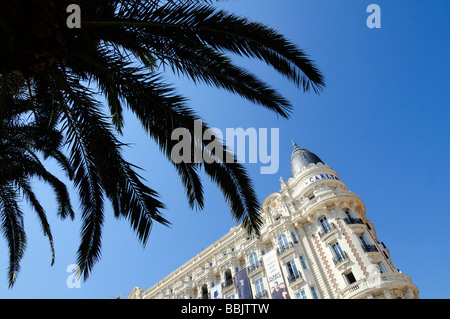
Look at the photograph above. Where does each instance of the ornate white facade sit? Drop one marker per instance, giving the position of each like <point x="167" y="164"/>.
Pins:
<point x="325" y="245"/>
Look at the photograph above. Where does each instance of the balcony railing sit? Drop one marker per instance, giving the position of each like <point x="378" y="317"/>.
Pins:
<point x="369" y="248"/>
<point x="327" y="229"/>
<point x="281" y="250"/>
<point x="262" y="295"/>
<point x="228" y="283"/>
<point x="338" y="259"/>
<point x="364" y="285"/>
<point x="294" y="277"/>
<point x="351" y="221"/>
<point x="254" y="267"/>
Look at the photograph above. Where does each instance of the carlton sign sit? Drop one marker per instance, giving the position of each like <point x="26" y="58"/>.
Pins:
<point x="320" y="177"/>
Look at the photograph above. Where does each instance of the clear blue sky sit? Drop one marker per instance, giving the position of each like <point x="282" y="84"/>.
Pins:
<point x="382" y="123"/>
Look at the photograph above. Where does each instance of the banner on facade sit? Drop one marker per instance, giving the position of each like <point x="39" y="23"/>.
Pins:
<point x="216" y="292"/>
<point x="277" y="285"/>
<point x="243" y="285"/>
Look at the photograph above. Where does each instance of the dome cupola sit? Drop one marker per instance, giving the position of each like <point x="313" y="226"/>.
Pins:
<point x="301" y="158"/>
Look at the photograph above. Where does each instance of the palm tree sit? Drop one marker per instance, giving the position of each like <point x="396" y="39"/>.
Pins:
<point x="122" y="49"/>
<point x="26" y="134"/>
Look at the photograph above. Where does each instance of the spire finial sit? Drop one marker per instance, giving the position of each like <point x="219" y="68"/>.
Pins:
<point x="295" y="144"/>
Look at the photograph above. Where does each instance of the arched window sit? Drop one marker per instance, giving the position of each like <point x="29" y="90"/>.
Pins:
<point x="228" y="275"/>
<point x="323" y="222"/>
<point x="253" y="260"/>
<point x="205" y="294"/>
<point x="348" y="213"/>
<point x="283" y="242"/>
<point x="228" y="278"/>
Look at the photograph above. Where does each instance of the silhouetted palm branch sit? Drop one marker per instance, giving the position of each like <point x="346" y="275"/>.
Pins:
<point x="26" y="134"/>
<point x="123" y="49"/>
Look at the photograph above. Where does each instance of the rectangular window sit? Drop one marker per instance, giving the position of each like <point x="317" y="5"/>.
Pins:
<point x="339" y="255"/>
<point x="337" y="251"/>
<point x="303" y="262"/>
<point x="259" y="285"/>
<point x="350" y="278"/>
<point x="366" y="244"/>
<point x="292" y="270"/>
<point x="314" y="293"/>
<point x="303" y="294"/>
<point x="294" y="238"/>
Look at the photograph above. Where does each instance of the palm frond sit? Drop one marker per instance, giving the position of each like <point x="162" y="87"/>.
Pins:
<point x="11" y="224"/>
<point x="101" y="170"/>
<point x="42" y="217"/>
<point x="123" y="48"/>
<point x="221" y="31"/>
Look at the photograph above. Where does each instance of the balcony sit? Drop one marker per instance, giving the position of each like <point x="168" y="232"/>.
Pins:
<point x="262" y="295"/>
<point x="328" y="231"/>
<point x="357" y="224"/>
<point x="205" y="272"/>
<point x="229" y="257"/>
<point x="228" y="284"/>
<point x="187" y="284"/>
<point x="360" y="288"/>
<point x="285" y="248"/>
<point x="340" y="259"/>
<point x="353" y="221"/>
<point x="254" y="267"/>
<point x="293" y="278"/>
<point x="369" y="248"/>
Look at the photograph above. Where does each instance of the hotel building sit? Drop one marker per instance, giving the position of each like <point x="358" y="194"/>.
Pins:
<point x="315" y="242"/>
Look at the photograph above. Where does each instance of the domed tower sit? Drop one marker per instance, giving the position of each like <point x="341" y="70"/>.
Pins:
<point x="337" y="246"/>
<point x="301" y="158"/>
